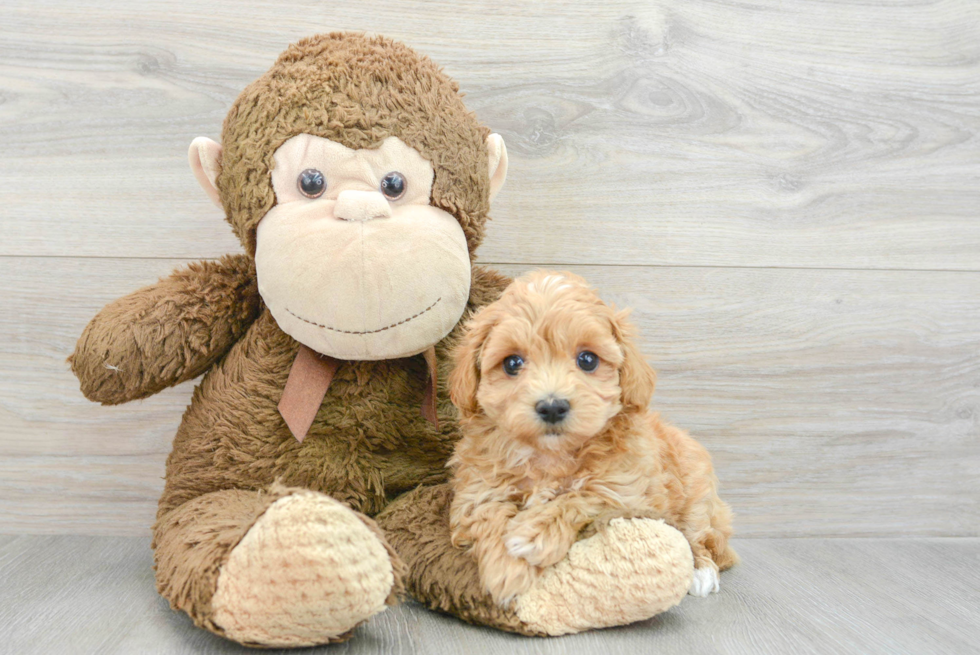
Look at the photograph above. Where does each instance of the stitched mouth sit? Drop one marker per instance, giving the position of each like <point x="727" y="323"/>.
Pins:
<point x="382" y="329"/>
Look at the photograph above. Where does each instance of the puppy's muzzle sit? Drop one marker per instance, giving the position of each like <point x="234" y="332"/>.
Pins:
<point x="552" y="410"/>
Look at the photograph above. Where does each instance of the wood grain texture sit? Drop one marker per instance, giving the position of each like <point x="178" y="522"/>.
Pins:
<point x="832" y="134"/>
<point x="835" y="402"/>
<point x="711" y="164"/>
<point x="90" y="594"/>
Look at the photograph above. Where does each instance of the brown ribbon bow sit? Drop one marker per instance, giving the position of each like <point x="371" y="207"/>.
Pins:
<point x="310" y="377"/>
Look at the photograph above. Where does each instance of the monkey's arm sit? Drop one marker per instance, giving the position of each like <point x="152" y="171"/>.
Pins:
<point x="168" y="332"/>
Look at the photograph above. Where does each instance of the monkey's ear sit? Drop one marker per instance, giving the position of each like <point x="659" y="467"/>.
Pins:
<point x="498" y="163"/>
<point x="205" y="158"/>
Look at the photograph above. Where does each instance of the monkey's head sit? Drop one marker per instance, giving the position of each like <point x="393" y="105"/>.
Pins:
<point x="360" y="183"/>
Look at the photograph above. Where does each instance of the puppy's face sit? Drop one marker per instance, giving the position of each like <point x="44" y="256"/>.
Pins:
<point x="549" y="363"/>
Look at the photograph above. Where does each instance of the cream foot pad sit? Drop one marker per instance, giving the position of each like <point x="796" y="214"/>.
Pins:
<point x="631" y="571"/>
<point x="308" y="570"/>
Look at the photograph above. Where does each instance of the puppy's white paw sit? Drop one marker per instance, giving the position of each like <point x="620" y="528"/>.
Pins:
<point x="705" y="582"/>
<point x="520" y="547"/>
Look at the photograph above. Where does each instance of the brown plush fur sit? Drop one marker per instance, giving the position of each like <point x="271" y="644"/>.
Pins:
<point x="233" y="454"/>
<point x="166" y="333"/>
<point x="525" y="488"/>
<point x="368" y="443"/>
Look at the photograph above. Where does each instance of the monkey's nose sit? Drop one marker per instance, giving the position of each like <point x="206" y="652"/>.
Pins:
<point x="552" y="410"/>
<point x="361" y="206"/>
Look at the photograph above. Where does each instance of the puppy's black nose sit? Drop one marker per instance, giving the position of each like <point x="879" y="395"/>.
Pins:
<point x="552" y="410"/>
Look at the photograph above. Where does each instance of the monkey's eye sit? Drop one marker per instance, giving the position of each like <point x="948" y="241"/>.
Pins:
<point x="513" y="365"/>
<point x="588" y="361"/>
<point x="393" y="185"/>
<point x="311" y="183"/>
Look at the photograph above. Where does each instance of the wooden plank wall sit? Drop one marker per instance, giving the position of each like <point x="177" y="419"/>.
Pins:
<point x="788" y="194"/>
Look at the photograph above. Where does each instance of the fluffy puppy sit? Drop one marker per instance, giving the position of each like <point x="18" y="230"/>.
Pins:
<point x="552" y="395"/>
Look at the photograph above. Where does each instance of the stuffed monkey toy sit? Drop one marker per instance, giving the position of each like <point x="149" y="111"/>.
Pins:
<point x="306" y="489"/>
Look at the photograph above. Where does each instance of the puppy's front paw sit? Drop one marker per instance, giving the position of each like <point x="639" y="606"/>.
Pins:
<point x="705" y="582"/>
<point x="540" y="542"/>
<point x="460" y="538"/>
<point x="535" y="551"/>
<point x="505" y="578"/>
<point x="521" y="547"/>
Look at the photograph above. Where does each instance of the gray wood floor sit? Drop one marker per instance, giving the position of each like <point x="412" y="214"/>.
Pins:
<point x="77" y="594"/>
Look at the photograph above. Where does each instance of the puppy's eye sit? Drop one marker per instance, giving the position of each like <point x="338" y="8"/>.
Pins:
<point x="393" y="185"/>
<point x="588" y="361"/>
<point x="513" y="365"/>
<point x="311" y="183"/>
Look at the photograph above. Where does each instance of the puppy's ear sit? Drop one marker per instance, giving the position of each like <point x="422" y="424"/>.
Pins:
<point x="636" y="377"/>
<point x="464" y="381"/>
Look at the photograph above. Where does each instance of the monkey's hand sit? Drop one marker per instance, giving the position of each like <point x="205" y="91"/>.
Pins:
<point x="168" y="332"/>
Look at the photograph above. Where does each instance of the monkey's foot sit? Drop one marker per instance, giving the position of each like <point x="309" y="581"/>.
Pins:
<point x="307" y="572"/>
<point x="631" y="571"/>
